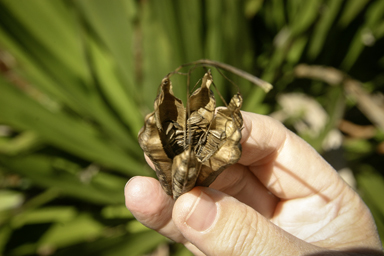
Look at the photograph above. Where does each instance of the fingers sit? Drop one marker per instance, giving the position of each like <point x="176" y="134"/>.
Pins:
<point x="150" y="205"/>
<point x="239" y="182"/>
<point x="284" y="163"/>
<point x="218" y="224"/>
<point x="210" y="222"/>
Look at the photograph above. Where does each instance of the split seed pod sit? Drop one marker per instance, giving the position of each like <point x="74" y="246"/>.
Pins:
<point x="191" y="147"/>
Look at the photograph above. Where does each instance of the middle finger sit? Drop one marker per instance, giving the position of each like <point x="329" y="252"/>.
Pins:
<point x="238" y="181"/>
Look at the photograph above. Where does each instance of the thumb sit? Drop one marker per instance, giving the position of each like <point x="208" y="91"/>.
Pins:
<point x="218" y="224"/>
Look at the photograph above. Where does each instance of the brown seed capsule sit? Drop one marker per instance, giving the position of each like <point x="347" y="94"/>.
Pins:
<point x="191" y="147"/>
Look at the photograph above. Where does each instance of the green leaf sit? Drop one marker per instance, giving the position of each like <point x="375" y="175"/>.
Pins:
<point x="24" y="142"/>
<point x="5" y="234"/>
<point x="134" y="244"/>
<point x="40" y="170"/>
<point x="112" y="22"/>
<point x="137" y="244"/>
<point x="371" y="187"/>
<point x="135" y="227"/>
<point x="360" y="146"/>
<point x="116" y="212"/>
<point x="252" y="7"/>
<point x="62" y="130"/>
<point x="43" y="22"/>
<point x="112" y="89"/>
<point x="373" y="18"/>
<point x="323" y="26"/>
<point x="10" y="199"/>
<point x="181" y="250"/>
<point x="351" y="10"/>
<point x="79" y="229"/>
<point x="302" y="15"/>
<point x="44" y="215"/>
<point x="296" y="50"/>
<point x="190" y="31"/>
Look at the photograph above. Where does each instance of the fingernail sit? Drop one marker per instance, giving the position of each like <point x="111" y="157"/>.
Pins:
<point x="203" y="213"/>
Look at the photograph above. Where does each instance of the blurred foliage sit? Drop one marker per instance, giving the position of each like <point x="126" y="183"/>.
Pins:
<point x="77" y="78"/>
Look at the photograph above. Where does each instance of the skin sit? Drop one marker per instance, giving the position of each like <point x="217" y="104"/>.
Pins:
<point x="281" y="198"/>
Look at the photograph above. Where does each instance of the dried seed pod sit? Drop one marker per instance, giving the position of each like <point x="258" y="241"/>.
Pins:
<point x="223" y="146"/>
<point x="185" y="171"/>
<point x="191" y="147"/>
<point x="170" y="119"/>
<point x="202" y="108"/>
<point x="149" y="140"/>
<point x="163" y="132"/>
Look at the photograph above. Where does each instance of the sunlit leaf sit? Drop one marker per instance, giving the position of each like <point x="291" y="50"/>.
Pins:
<point x="10" y="199"/>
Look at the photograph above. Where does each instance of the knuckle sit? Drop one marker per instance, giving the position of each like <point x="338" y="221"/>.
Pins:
<point x="240" y="236"/>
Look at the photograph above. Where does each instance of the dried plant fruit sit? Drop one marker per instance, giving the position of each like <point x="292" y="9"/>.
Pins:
<point x="190" y="146"/>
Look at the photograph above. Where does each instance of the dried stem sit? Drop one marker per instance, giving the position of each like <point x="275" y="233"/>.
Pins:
<point x="365" y="101"/>
<point x="204" y="62"/>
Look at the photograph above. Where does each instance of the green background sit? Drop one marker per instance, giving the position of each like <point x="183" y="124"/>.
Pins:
<point x="77" y="78"/>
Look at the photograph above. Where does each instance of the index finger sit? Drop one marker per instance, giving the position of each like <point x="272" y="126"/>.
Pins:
<point x="287" y="165"/>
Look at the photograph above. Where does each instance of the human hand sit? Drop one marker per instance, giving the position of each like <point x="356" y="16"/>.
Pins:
<point x="281" y="198"/>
